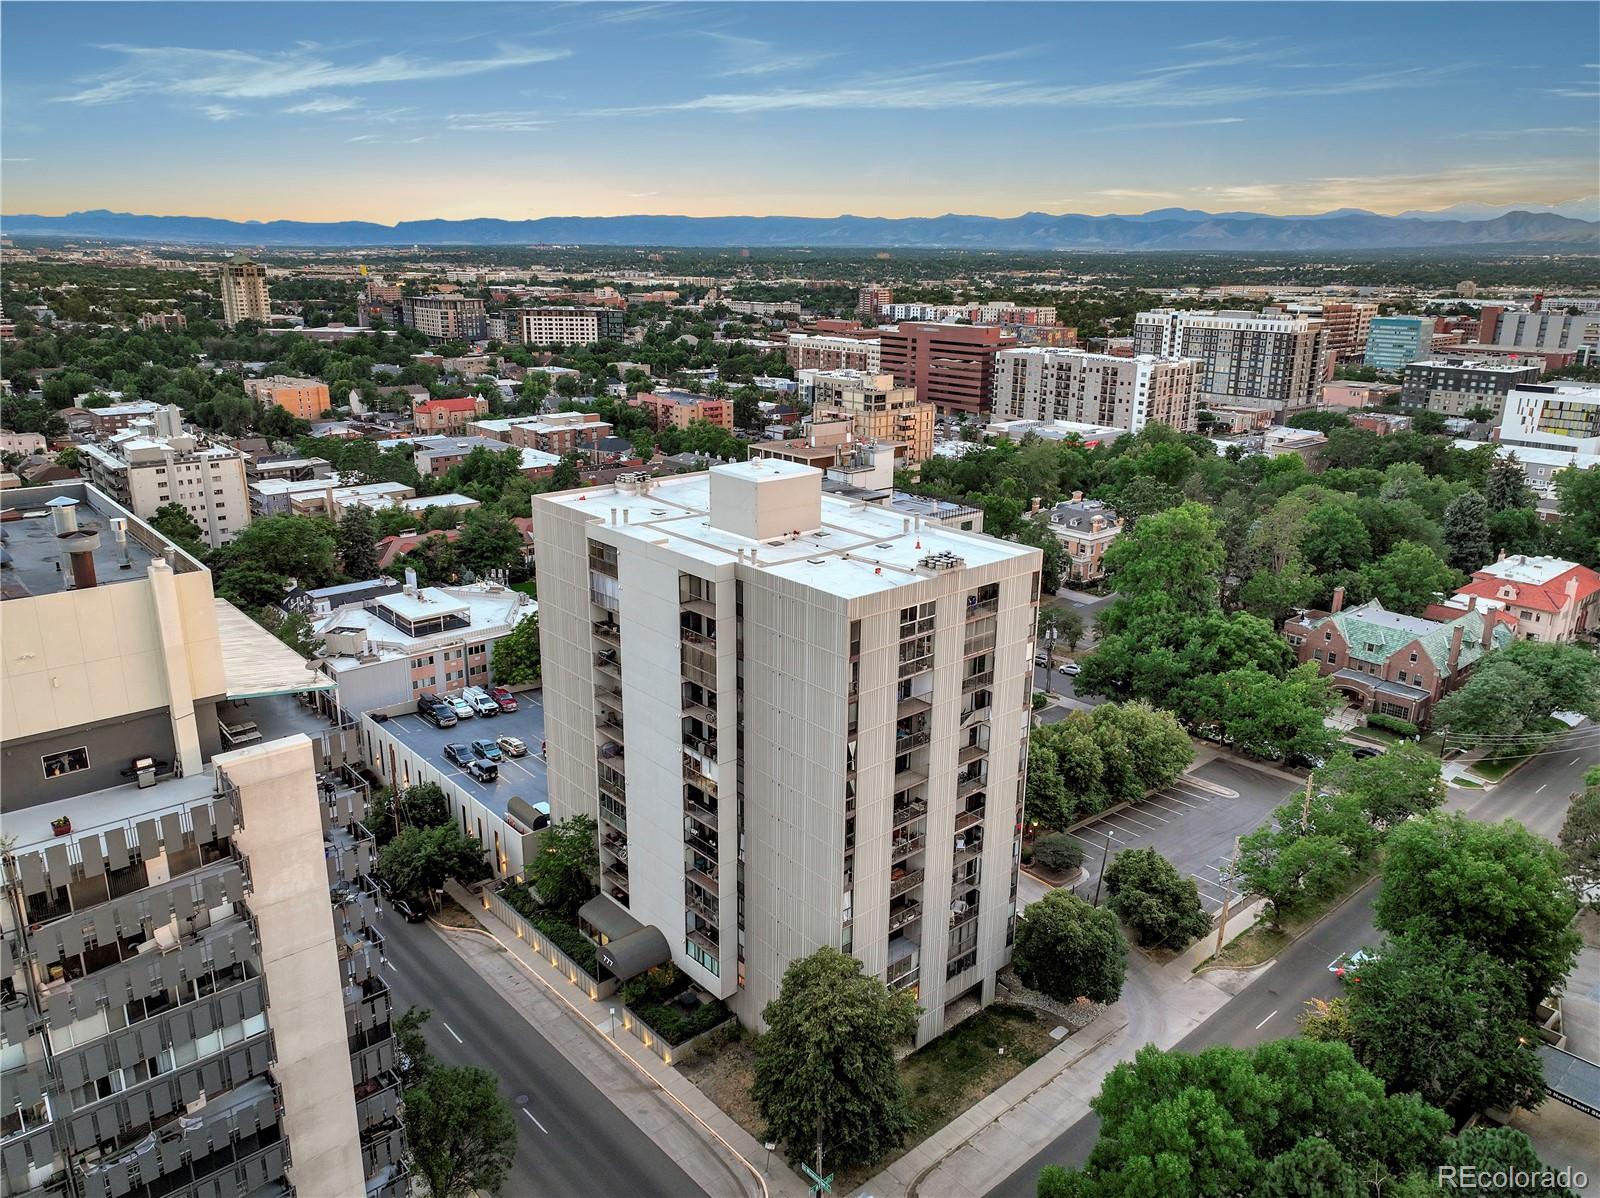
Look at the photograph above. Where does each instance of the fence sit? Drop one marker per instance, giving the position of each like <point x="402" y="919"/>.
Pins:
<point x="623" y="1019"/>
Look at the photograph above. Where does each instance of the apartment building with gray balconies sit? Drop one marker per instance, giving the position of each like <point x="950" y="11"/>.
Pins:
<point x="799" y="721"/>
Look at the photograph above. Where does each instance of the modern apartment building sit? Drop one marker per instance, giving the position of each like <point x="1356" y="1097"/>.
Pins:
<point x="306" y="399"/>
<point x="568" y="326"/>
<point x="1347" y="323"/>
<point x="243" y="284"/>
<point x="1454" y="386"/>
<point x="192" y="1003"/>
<point x="155" y="462"/>
<point x="974" y="313"/>
<point x="950" y="365"/>
<point x="876" y="408"/>
<point x="556" y="432"/>
<point x="871" y="300"/>
<point x="1552" y="329"/>
<point x="1560" y="416"/>
<point x="1039" y="383"/>
<point x="800" y="721"/>
<point x="1394" y="342"/>
<point x="1247" y="359"/>
<point x="680" y="409"/>
<point x="445" y="317"/>
<point x="825" y="351"/>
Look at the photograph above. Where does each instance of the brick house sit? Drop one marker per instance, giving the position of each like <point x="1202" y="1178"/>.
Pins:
<point x="448" y="415"/>
<point x="1085" y="528"/>
<point x="1391" y="663"/>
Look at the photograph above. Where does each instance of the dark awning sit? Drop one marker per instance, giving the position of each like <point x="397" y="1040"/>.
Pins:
<point x="630" y="955"/>
<point x="608" y="919"/>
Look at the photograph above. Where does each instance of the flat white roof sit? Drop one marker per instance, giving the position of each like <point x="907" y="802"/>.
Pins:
<point x="861" y="548"/>
<point x="1535" y="570"/>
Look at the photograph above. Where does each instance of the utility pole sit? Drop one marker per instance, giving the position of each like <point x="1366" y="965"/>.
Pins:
<point x="1227" y="896"/>
<point x="1305" y="810"/>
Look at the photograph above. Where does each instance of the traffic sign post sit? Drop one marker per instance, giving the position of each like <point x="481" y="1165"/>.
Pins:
<point x="823" y="1185"/>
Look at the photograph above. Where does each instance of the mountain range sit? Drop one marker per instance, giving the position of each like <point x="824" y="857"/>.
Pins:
<point x="1163" y="229"/>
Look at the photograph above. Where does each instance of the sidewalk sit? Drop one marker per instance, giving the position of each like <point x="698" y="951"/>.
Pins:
<point x="709" y="1146"/>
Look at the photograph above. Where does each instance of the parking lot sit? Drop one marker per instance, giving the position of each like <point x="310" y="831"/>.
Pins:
<point x="521" y="776"/>
<point x="1192" y="824"/>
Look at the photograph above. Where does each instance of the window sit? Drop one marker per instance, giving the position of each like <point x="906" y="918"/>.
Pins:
<point x="1401" y="676"/>
<point x="70" y="761"/>
<point x="1413" y="659"/>
<point x="1333" y="658"/>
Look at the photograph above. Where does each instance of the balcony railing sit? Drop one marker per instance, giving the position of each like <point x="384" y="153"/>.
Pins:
<point x="977" y="714"/>
<point x="987" y="607"/>
<point x="903" y="972"/>
<point x="969" y="853"/>
<point x="910" y="811"/>
<point x="969" y="753"/>
<point x="970" y="785"/>
<point x="706" y="939"/>
<point x="968" y="819"/>
<point x="973" y="681"/>
<point x="905" y="741"/>
<point x="909" y="846"/>
<point x="704" y="908"/>
<point x="706" y="846"/>
<point x="698" y="604"/>
<point x="911" y="705"/>
<point x="903" y="885"/>
<point x="981" y="643"/>
<point x="906" y="779"/>
<point x="603" y="565"/>
<point x="607" y="632"/>
<point x="908" y="914"/>
<point x="705" y="879"/>
<point x="703" y="745"/>
<point x="609" y="697"/>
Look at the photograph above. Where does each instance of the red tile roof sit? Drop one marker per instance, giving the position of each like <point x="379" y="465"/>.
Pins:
<point x="389" y="548"/>
<point x="1549" y="596"/>
<point x="467" y="403"/>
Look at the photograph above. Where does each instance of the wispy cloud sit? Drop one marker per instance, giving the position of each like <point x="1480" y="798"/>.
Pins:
<point x="379" y="139"/>
<point x="16" y="159"/>
<point x="1581" y="91"/>
<point x="244" y="75"/>
<point x="1547" y="131"/>
<point x="1199" y="121"/>
<point x="494" y="122"/>
<point x="219" y="112"/>
<point x="322" y="104"/>
<point x="640" y="195"/>
<point x="752" y="56"/>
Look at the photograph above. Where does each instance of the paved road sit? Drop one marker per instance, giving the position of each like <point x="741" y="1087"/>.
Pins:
<point x="581" y="1144"/>
<point x="1266" y="1009"/>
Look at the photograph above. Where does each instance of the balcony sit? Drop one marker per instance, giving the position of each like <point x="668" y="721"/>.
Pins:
<point x="909" y="705"/>
<point x="603" y="563"/>
<point x="900" y="917"/>
<point x="614" y="816"/>
<point x="699" y="604"/>
<point x="967" y="912"/>
<point x="607" y="632"/>
<point x="700" y="813"/>
<point x="920" y="664"/>
<point x="705" y="746"/>
<point x="903" y="962"/>
<point x="969" y="819"/>
<point x="609" y="726"/>
<point x="905" y="883"/>
<point x="609" y="697"/>
<point x="967" y="786"/>
<point x="906" y="741"/>
<point x="706" y="938"/>
<point x="906" y="846"/>
<point x="984" y="607"/>
<point x="706" y="846"/>
<point x="981" y="643"/>
<point x="705" y="909"/>
<point x="969" y="753"/>
<point x="607" y="665"/>
<point x="705" y="879"/>
<point x="603" y="601"/>
<point x="616" y="874"/>
<point x="978" y="713"/>
<point x="913" y="810"/>
<point x="694" y="773"/>
<point x="973" y="682"/>
<point x="970" y="851"/>
<point x="906" y="779"/>
<point x="699" y="711"/>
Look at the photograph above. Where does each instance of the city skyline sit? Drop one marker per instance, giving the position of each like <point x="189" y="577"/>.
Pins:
<point x="616" y="109"/>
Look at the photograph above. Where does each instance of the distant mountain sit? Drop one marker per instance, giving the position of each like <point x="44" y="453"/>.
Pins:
<point x="1584" y="208"/>
<point x="1165" y="229"/>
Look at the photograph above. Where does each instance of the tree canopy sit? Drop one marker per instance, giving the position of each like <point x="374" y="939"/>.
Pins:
<point x="1068" y="949"/>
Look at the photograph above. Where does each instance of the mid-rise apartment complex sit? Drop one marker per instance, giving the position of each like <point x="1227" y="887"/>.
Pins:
<point x="555" y="432"/>
<point x="800" y="721"/>
<point x="1347" y="323"/>
<point x="1553" y="329"/>
<point x="445" y="317"/>
<point x="192" y="997"/>
<point x="568" y="326"/>
<point x="950" y="365"/>
<point x="1247" y="359"/>
<point x="1071" y="384"/>
<point x="244" y="291"/>
<point x="871" y="300"/>
<point x="1393" y="342"/>
<point x="450" y="415"/>
<point x="833" y="351"/>
<point x="975" y="313"/>
<point x="877" y="409"/>
<point x="680" y="409"/>
<point x="1560" y="416"/>
<point x="307" y="399"/>
<point x="155" y="462"/>
<point x="1456" y="386"/>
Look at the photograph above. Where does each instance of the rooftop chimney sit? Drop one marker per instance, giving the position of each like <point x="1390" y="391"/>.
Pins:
<point x="1455" y="646"/>
<point x="1338" y="600"/>
<point x="1488" y="629"/>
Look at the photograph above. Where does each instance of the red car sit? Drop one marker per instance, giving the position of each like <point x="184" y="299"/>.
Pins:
<point x="507" y="701"/>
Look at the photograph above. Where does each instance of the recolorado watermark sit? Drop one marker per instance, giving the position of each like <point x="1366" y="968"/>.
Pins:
<point x="1470" y="1177"/>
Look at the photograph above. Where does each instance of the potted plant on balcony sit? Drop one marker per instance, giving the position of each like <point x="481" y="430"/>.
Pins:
<point x="61" y="825"/>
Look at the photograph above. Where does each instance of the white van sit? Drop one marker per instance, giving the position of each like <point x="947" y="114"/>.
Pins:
<point x="481" y="700"/>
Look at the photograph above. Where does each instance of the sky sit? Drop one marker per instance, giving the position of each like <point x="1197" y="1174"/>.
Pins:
<point x="387" y="112"/>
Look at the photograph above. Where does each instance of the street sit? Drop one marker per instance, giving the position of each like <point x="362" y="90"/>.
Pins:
<point x="1267" y="1009"/>
<point x="571" y="1139"/>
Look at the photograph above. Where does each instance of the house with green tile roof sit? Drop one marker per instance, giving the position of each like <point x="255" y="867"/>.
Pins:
<point x="1392" y="663"/>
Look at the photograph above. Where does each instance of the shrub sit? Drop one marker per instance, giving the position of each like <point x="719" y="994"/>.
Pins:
<point x="1390" y="723"/>
<point x="1058" y="852"/>
<point x="563" y="935"/>
<point x="675" y="1025"/>
<point x="1066" y="949"/>
<point x="1149" y="895"/>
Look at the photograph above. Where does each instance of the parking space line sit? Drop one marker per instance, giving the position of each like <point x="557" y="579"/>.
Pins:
<point x="452" y="1032"/>
<point x="1171" y="798"/>
<point x="1123" y="815"/>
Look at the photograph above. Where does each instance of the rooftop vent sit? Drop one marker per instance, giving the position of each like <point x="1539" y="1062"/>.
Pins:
<point x="944" y="560"/>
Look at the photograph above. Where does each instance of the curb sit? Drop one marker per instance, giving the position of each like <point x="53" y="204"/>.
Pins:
<point x="1205" y="965"/>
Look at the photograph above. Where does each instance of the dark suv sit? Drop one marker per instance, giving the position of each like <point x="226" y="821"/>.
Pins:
<point x="436" y="711"/>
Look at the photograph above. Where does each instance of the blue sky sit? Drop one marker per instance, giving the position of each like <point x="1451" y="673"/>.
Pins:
<point x="397" y="111"/>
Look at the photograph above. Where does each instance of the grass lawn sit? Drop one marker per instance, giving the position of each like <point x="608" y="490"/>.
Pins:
<point x="529" y="588"/>
<point x="942" y="1079"/>
<point x="1260" y="944"/>
<point x="1464" y="781"/>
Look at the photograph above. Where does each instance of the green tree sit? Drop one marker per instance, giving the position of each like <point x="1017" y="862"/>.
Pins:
<point x="1506" y="486"/>
<point x="1408" y="578"/>
<point x="1391" y="787"/>
<point x="419" y="861"/>
<point x="70" y="458"/>
<point x="1466" y="531"/>
<point x="1497" y="887"/>
<point x="489" y="541"/>
<point x="825" y="1076"/>
<point x="1578" y="502"/>
<point x="1580" y="841"/>
<point x="1064" y="622"/>
<point x="1058" y="851"/>
<point x="173" y="521"/>
<point x="565" y="476"/>
<point x="563" y="871"/>
<point x="1290" y="869"/>
<point x="1334" y="539"/>
<point x="299" y="547"/>
<point x="516" y="655"/>
<point x="1270" y="717"/>
<point x="414" y="1059"/>
<point x="1151" y="897"/>
<point x="461" y="1132"/>
<point x="424" y="805"/>
<point x="1311" y="1169"/>
<point x="1503" y="1150"/>
<point x="1510" y="698"/>
<point x="358" y="543"/>
<point x="1037" y="532"/>
<point x="1448" y="1022"/>
<point x="1068" y="949"/>
<point x="1170" y="561"/>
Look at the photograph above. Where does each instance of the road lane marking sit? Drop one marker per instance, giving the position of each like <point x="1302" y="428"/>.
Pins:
<point x="536" y="1122"/>
<point x="452" y="1032"/>
<point x="1576" y="759"/>
<point x="1263" y="1023"/>
<point x="1541" y="787"/>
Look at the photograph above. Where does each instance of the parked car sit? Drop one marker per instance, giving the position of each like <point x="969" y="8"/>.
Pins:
<point x="1041" y="659"/>
<point x="1361" y="751"/>
<point x="512" y="746"/>
<point x="1071" y="667"/>
<point x="459" y="754"/>
<point x="488" y="750"/>
<point x="463" y="709"/>
<point x="411" y="914"/>
<point x="483" y="771"/>
<point x="1306" y="761"/>
<point x="436" y="711"/>
<point x="481" y="701"/>
<point x="507" y="701"/>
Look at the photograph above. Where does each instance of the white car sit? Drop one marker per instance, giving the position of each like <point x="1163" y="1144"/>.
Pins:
<point x="460" y="706"/>
<point x="1071" y="667"/>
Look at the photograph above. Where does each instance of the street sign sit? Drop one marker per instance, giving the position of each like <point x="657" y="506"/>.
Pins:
<point x="824" y="1185"/>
